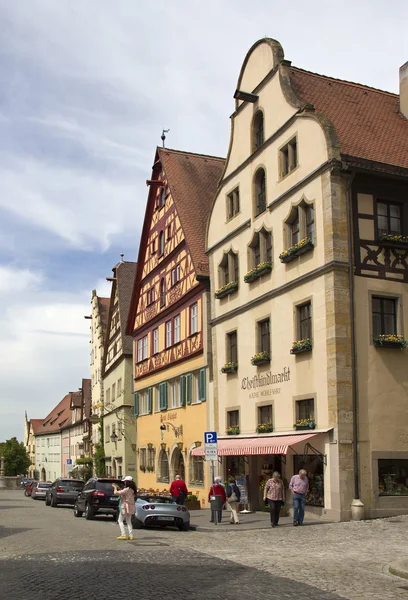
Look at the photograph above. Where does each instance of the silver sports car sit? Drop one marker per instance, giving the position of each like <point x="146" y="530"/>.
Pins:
<point x="161" y="512"/>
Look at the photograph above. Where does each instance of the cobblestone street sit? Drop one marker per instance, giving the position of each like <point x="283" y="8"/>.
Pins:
<point x="47" y="550"/>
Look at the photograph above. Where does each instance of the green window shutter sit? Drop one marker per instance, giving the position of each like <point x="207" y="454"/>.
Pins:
<point x="189" y="388"/>
<point x="160" y="396"/>
<point x="149" y="400"/>
<point x="183" y="390"/>
<point x="203" y="385"/>
<point x="166" y="385"/>
<point x="136" y="403"/>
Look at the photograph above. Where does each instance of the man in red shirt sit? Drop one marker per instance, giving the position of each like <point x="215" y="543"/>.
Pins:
<point x="217" y="490"/>
<point x="178" y="490"/>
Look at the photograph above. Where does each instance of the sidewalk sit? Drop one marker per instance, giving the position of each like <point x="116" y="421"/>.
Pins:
<point x="200" y="521"/>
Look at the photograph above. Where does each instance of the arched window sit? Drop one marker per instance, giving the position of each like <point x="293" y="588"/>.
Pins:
<point x="163" y="467"/>
<point x="258" y="131"/>
<point x="260" y="192"/>
<point x="196" y="470"/>
<point x="300" y="224"/>
<point x="162" y="293"/>
<point x="260" y="248"/>
<point x="228" y="268"/>
<point x="161" y="243"/>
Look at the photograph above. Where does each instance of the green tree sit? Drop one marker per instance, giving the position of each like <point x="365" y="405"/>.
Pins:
<point x="99" y="454"/>
<point x="16" y="460"/>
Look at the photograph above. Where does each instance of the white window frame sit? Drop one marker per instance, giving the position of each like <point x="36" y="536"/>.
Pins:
<point x="169" y="332"/>
<point x="155" y="340"/>
<point x="194" y="318"/>
<point x="177" y="329"/>
<point x="144" y="402"/>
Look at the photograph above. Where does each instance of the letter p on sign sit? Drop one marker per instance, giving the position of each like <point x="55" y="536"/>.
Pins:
<point x="210" y="437"/>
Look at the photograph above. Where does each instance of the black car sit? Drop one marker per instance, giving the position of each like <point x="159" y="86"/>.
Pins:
<point x="97" y="497"/>
<point x="63" y="491"/>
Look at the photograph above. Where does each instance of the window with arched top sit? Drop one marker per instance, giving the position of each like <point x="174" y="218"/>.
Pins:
<point x="257" y="131"/>
<point x="163" y="464"/>
<point x="300" y="225"/>
<point x="260" y="248"/>
<point x="228" y="269"/>
<point x="260" y="192"/>
<point x="161" y="243"/>
<point x="162" y="292"/>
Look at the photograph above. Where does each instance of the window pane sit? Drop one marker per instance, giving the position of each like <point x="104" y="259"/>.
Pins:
<point x="395" y="211"/>
<point x="382" y="225"/>
<point x="393" y="477"/>
<point x="395" y="226"/>
<point x="376" y="304"/>
<point x="389" y="324"/>
<point x="376" y="324"/>
<point x="382" y="208"/>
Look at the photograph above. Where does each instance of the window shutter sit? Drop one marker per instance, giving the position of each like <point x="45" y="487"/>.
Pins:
<point x="149" y="400"/>
<point x="165" y="388"/>
<point x="136" y="403"/>
<point x="203" y="385"/>
<point x="189" y="388"/>
<point x="183" y="390"/>
<point x="161" y="397"/>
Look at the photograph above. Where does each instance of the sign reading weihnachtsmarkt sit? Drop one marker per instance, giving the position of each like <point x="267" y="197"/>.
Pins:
<point x="260" y="385"/>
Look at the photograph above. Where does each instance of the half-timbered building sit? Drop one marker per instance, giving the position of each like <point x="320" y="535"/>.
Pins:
<point x="168" y="320"/>
<point x="307" y="240"/>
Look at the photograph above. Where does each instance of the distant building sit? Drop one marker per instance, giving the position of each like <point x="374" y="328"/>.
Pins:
<point x="30" y="429"/>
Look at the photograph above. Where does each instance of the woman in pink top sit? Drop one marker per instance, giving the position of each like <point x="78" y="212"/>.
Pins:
<point x="274" y="493"/>
<point x="127" y="506"/>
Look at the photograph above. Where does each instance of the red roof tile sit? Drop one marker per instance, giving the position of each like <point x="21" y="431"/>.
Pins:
<point x="36" y="424"/>
<point x="367" y="121"/>
<point x="59" y="417"/>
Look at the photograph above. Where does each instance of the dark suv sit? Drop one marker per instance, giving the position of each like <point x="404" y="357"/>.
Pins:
<point x="97" y="497"/>
<point x="63" y="491"/>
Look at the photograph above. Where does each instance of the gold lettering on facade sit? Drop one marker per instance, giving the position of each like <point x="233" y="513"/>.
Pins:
<point x="168" y="416"/>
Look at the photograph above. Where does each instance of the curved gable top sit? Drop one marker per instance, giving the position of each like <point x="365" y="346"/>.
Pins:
<point x="261" y="58"/>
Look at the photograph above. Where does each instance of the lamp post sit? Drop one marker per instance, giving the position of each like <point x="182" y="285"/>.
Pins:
<point x="2" y="479"/>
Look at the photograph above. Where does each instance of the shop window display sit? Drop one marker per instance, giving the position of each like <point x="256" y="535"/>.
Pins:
<point x="393" y="477"/>
<point x="314" y="467"/>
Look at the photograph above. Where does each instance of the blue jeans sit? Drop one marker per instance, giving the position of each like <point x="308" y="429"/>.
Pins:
<point x="299" y="501"/>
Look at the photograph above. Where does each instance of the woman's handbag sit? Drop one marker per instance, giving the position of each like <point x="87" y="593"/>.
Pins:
<point x="233" y="497"/>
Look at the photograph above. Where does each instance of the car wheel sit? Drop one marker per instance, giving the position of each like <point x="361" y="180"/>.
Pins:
<point x="47" y="501"/>
<point x="136" y="523"/>
<point x="89" y="513"/>
<point x="53" y="502"/>
<point x="26" y="493"/>
<point x="185" y="526"/>
<point x="77" y="512"/>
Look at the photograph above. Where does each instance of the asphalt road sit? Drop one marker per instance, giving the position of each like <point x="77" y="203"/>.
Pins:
<point x="47" y="553"/>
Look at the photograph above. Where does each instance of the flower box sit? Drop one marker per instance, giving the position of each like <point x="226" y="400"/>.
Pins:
<point x="229" y="368"/>
<point x="233" y="430"/>
<point x="297" y="250"/>
<point x="257" y="272"/>
<point x="304" y="424"/>
<point x="390" y="341"/>
<point x="192" y="504"/>
<point x="226" y="289"/>
<point x="397" y="241"/>
<point x="261" y="358"/>
<point x="264" y="428"/>
<point x="301" y="346"/>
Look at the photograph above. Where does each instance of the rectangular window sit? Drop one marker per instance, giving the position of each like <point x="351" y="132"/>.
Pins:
<point x="150" y="458"/>
<point x="142" y="349"/>
<point x="233" y="204"/>
<point x="194" y="318"/>
<point x="113" y="391"/>
<point x="197" y="469"/>
<point x="264" y="342"/>
<point x="155" y="340"/>
<point x="288" y="158"/>
<point x="389" y="218"/>
<point x="168" y="232"/>
<point x="144" y="403"/>
<point x="119" y="387"/>
<point x="384" y="314"/>
<point x="169" y="337"/>
<point x="305" y="410"/>
<point x="232" y="349"/>
<point x="177" y="333"/>
<point x="108" y="396"/>
<point x="175" y="275"/>
<point x="174" y="399"/>
<point x="304" y="316"/>
<point x="393" y="477"/>
<point x="265" y="414"/>
<point x="233" y="418"/>
<point x="143" y="465"/>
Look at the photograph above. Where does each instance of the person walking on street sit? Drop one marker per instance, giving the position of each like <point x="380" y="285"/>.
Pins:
<point x="274" y="493"/>
<point x="178" y="490"/>
<point x="233" y="498"/>
<point x="217" y="490"/>
<point x="127" y="507"/>
<point x="299" y="486"/>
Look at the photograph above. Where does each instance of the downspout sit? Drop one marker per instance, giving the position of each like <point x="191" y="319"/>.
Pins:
<point x="357" y="507"/>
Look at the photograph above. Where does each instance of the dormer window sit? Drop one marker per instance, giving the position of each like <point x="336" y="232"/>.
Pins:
<point x="257" y="131"/>
<point x="260" y="192"/>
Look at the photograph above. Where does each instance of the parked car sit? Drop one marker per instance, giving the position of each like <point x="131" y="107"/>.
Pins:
<point x="40" y="489"/>
<point x="97" y="497"/>
<point x="160" y="511"/>
<point x="63" y="491"/>
<point x="29" y="488"/>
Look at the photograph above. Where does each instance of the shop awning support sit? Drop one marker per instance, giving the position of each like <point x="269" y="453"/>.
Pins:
<point x="316" y="452"/>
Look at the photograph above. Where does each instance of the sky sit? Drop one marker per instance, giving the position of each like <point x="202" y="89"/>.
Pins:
<point x="86" y="88"/>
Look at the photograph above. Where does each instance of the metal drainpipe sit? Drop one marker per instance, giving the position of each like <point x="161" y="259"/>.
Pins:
<point x="353" y="342"/>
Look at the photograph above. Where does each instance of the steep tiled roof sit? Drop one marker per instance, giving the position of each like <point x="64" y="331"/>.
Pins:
<point x="193" y="181"/>
<point x="103" y="307"/>
<point x="76" y="399"/>
<point x="367" y="121"/>
<point x="59" y="417"/>
<point x="36" y="425"/>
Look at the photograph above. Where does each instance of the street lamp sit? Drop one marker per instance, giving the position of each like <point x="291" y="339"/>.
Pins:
<point x="114" y="437"/>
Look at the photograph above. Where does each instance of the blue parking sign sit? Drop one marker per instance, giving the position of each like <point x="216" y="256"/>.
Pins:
<point x="210" y="437"/>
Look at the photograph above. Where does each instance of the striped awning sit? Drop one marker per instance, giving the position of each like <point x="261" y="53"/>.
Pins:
<point x="258" y="445"/>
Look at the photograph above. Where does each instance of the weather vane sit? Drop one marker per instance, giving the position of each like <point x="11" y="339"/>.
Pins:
<point x="163" y="136"/>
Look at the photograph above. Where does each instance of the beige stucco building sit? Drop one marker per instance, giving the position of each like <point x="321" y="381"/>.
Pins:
<point x="306" y="280"/>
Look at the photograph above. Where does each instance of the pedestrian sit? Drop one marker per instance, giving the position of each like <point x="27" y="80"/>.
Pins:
<point x="178" y="490"/>
<point x="217" y="489"/>
<point x="274" y="493"/>
<point x="127" y="507"/>
<point x="299" y="486"/>
<point x="233" y="498"/>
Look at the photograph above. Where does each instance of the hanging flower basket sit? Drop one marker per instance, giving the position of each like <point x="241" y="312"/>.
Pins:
<point x="258" y="271"/>
<point x="297" y="250"/>
<point x="394" y="240"/>
<point x="229" y="367"/>
<point x="390" y="341"/>
<point x="301" y="346"/>
<point x="304" y="424"/>
<point x="260" y="358"/>
<point x="226" y="289"/>
<point x="233" y="430"/>
<point x="264" y="428"/>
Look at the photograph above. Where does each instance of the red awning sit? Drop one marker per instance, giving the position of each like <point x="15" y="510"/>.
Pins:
<point x="249" y="446"/>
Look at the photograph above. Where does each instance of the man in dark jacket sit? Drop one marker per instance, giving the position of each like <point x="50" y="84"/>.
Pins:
<point x="178" y="490"/>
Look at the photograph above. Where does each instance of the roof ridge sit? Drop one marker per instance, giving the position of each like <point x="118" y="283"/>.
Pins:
<point x="191" y="153"/>
<point x="352" y="83"/>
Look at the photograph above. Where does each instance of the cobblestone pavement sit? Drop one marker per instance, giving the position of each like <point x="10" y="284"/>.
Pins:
<point x="48" y="550"/>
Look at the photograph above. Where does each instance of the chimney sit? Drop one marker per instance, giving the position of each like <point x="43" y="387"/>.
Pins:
<point x="403" y="77"/>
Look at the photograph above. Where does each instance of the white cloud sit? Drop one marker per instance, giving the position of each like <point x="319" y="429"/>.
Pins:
<point x="18" y="280"/>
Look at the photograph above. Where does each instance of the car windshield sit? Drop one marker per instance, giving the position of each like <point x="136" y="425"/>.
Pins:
<point x="156" y="499"/>
<point x="44" y="485"/>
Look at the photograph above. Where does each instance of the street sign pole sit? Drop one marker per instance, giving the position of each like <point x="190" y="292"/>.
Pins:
<point x="211" y="454"/>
